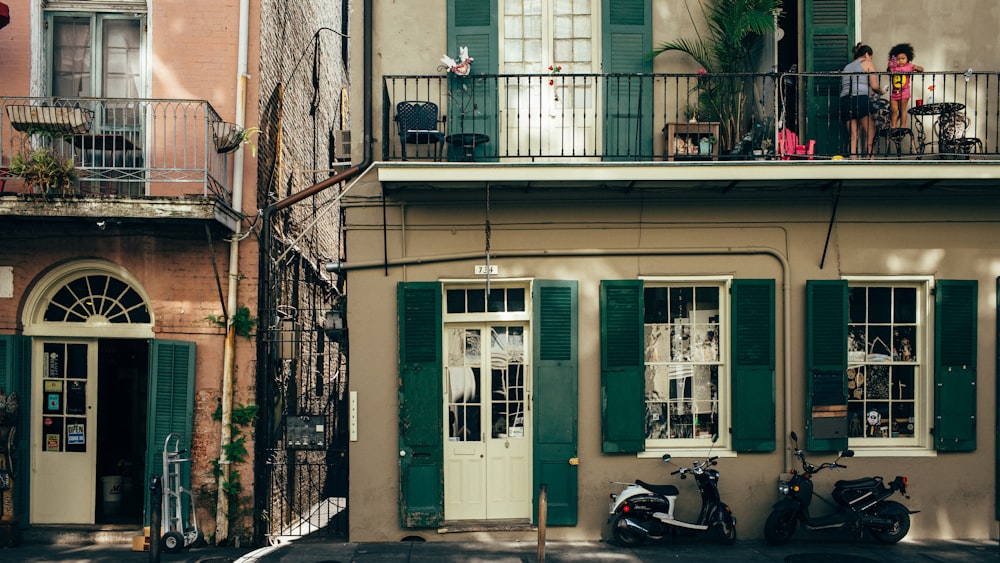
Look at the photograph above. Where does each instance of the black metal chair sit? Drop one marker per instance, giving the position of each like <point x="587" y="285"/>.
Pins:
<point x="419" y="125"/>
<point x="951" y="128"/>
<point x="894" y="136"/>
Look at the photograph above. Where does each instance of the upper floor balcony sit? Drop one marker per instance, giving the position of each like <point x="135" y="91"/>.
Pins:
<point x="694" y="118"/>
<point x="116" y="158"/>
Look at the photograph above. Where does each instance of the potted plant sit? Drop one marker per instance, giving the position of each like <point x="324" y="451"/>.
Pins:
<point x="706" y="144"/>
<point x="45" y="170"/>
<point x="726" y="54"/>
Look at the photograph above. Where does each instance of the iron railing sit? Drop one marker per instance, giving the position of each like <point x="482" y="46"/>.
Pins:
<point x="669" y="117"/>
<point x="122" y="146"/>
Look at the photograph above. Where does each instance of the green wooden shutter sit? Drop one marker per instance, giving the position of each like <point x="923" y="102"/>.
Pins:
<point x="753" y="366"/>
<point x="826" y="365"/>
<point x="421" y="442"/>
<point x="628" y="98"/>
<point x="555" y="399"/>
<point x="623" y="374"/>
<point x="829" y="39"/>
<point x="170" y="404"/>
<point x="473" y="102"/>
<point x="955" y="345"/>
<point x="15" y="376"/>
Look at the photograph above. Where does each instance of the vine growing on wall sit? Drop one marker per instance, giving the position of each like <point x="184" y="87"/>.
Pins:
<point x="243" y="321"/>
<point x="241" y="417"/>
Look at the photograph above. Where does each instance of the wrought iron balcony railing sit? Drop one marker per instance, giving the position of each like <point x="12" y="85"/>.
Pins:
<point x="118" y="147"/>
<point x="671" y="117"/>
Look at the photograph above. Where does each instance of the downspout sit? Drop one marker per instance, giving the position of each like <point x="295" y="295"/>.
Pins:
<point x="222" y="506"/>
<point x="267" y="214"/>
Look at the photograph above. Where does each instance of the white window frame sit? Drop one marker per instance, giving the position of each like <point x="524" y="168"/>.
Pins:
<point x="921" y="442"/>
<point x="696" y="446"/>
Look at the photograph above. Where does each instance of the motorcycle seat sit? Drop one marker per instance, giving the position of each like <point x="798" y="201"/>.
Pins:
<point x="862" y="483"/>
<point x="665" y="490"/>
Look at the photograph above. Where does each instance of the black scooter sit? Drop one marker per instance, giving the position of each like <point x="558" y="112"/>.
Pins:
<point x="861" y="504"/>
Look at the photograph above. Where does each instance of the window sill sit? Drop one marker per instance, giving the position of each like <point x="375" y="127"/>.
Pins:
<point x="675" y="453"/>
<point x="894" y="452"/>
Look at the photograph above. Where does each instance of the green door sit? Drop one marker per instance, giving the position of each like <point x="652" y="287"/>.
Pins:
<point x="555" y="398"/>
<point x="829" y="38"/>
<point x="628" y="88"/>
<point x="170" y="404"/>
<point x="421" y="473"/>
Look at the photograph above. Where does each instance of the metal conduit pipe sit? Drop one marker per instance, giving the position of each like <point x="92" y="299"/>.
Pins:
<point x="786" y="292"/>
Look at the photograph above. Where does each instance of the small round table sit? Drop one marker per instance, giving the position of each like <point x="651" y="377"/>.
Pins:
<point x="941" y="109"/>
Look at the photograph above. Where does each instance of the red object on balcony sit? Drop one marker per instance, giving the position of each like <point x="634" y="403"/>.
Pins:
<point x="4" y="15"/>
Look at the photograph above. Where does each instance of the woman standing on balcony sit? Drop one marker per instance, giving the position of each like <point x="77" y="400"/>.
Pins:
<point x="856" y="92"/>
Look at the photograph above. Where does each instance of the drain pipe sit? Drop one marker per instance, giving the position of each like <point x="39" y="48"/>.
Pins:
<point x="222" y="505"/>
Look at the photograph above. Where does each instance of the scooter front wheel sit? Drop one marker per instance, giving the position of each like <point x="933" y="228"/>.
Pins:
<point x="727" y="529"/>
<point x="780" y="526"/>
<point x="623" y="534"/>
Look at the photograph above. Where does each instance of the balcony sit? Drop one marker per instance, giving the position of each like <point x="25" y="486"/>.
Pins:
<point x="679" y="118"/>
<point x="130" y="158"/>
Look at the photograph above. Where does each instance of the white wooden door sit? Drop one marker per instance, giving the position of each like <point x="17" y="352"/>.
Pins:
<point x="554" y="116"/>
<point x="64" y="432"/>
<point x="488" y="472"/>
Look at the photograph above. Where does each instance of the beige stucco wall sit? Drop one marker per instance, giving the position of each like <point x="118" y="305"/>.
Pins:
<point x="909" y="233"/>
<point x="918" y="234"/>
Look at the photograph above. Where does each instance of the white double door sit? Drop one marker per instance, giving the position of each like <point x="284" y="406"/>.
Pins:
<point x="487" y="426"/>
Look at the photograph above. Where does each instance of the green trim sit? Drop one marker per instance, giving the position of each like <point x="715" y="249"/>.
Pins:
<point x="826" y="365"/>
<point x="753" y="361"/>
<point x="623" y="373"/>
<point x="554" y="399"/>
<point x="170" y="404"/>
<point x="421" y="440"/>
<point x="955" y="346"/>
<point x="829" y="36"/>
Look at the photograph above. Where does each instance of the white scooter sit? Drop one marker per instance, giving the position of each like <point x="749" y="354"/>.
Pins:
<point x="643" y="511"/>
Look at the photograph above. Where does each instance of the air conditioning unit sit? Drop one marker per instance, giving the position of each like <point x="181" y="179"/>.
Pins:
<point x="341" y="145"/>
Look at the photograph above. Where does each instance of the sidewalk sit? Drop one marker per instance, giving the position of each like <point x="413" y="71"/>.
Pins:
<point x="325" y="550"/>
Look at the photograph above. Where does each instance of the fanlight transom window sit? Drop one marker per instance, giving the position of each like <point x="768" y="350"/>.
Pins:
<point x="97" y="298"/>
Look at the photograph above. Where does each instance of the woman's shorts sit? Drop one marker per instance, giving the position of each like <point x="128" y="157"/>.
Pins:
<point x="854" y="107"/>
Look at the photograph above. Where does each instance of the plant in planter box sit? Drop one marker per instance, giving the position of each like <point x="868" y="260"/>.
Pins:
<point x="726" y="53"/>
<point x="45" y="171"/>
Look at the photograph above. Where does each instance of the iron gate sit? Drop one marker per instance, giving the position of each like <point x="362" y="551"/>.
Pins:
<point x="303" y="465"/>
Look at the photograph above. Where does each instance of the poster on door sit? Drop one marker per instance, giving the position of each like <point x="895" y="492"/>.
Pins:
<point x="52" y="431"/>
<point x="76" y="432"/>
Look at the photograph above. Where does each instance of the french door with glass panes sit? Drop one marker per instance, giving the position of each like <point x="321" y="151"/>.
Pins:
<point x="554" y="38"/>
<point x="488" y="466"/>
<point x="63" y="432"/>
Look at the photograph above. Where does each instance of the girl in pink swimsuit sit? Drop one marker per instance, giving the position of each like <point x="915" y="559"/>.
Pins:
<point x="901" y="66"/>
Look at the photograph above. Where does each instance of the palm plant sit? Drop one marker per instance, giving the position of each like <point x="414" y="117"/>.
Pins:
<point x="727" y="51"/>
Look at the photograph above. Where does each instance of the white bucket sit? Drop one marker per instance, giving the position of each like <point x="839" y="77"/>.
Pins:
<point x="111" y="494"/>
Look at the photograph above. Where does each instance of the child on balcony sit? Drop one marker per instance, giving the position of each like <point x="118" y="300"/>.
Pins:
<point x="901" y="66"/>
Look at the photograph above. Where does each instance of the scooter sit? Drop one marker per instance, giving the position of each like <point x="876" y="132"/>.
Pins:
<point x="643" y="511"/>
<point x="860" y="504"/>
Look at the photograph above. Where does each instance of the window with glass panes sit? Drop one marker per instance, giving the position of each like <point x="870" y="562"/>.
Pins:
<point x="684" y="341"/>
<point x="886" y="353"/>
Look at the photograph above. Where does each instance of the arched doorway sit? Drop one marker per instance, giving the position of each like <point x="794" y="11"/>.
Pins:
<point x="90" y="325"/>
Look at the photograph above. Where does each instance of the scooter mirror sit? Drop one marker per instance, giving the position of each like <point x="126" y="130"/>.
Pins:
<point x="715" y="438"/>
<point x="795" y="436"/>
<point x="666" y="457"/>
<point x="847" y="453"/>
